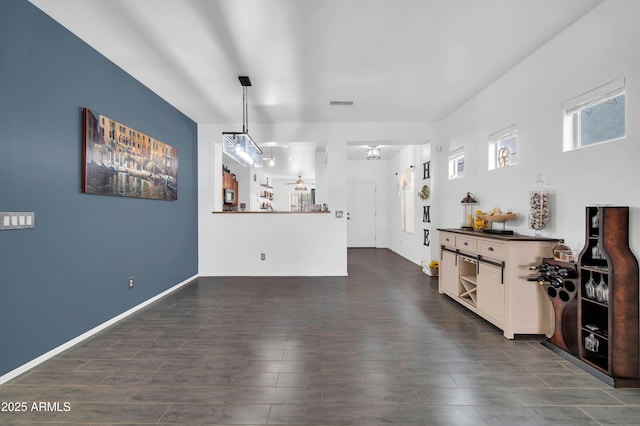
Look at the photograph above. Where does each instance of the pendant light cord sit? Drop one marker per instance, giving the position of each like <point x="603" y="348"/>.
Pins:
<point x="245" y="111"/>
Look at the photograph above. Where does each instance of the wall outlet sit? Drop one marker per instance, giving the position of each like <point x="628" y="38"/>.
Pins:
<point x="130" y="282"/>
<point x="263" y="256"/>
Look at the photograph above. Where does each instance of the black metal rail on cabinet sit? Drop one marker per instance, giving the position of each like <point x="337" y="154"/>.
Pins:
<point x="478" y="258"/>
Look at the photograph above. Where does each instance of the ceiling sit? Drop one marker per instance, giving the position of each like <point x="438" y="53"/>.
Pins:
<point x="397" y="60"/>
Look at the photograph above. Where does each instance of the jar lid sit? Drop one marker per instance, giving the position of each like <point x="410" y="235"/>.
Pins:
<point x="469" y="199"/>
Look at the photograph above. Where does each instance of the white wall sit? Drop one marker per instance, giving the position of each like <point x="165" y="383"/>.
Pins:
<point x="388" y="220"/>
<point x="596" y="49"/>
<point x="294" y="244"/>
<point x="410" y="245"/>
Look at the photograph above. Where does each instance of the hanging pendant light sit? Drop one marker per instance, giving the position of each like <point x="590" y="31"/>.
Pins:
<point x="239" y="145"/>
<point x="272" y="161"/>
<point x="373" y="152"/>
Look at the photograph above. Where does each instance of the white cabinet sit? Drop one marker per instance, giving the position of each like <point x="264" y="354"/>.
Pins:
<point x="491" y="291"/>
<point x="449" y="272"/>
<point x="487" y="274"/>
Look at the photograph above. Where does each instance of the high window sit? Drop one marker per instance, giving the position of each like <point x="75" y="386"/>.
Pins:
<point x="502" y="148"/>
<point x="595" y="117"/>
<point x="456" y="164"/>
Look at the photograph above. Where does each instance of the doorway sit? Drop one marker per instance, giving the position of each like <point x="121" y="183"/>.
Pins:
<point x="361" y="214"/>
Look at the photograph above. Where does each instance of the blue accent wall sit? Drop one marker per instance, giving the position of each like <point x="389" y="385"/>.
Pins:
<point x="69" y="274"/>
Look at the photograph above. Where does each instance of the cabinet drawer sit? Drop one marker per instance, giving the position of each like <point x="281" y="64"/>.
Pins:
<point x="466" y="243"/>
<point x="491" y="249"/>
<point x="447" y="239"/>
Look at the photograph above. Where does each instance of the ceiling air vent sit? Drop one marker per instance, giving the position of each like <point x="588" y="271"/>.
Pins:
<point x="341" y="103"/>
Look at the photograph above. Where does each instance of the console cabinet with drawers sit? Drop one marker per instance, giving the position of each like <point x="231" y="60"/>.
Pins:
<point x="487" y="274"/>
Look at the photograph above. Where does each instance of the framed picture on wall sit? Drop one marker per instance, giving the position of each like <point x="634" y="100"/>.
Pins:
<point x="119" y="160"/>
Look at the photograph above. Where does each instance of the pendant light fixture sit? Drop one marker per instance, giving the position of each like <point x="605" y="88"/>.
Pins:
<point x="373" y="152"/>
<point x="239" y="145"/>
<point x="272" y="161"/>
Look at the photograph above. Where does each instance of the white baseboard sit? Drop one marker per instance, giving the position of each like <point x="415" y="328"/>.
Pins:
<point x="53" y="352"/>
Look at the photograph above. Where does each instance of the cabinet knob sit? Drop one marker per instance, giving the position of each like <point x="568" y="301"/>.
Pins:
<point x="466" y="243"/>
<point x="490" y="248"/>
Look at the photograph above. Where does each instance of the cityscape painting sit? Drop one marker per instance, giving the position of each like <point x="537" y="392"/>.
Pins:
<point x="119" y="160"/>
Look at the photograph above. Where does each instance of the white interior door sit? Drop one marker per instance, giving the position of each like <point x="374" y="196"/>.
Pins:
<point x="361" y="214"/>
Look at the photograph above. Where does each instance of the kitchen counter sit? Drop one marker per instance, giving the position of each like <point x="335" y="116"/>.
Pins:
<point x="271" y="212"/>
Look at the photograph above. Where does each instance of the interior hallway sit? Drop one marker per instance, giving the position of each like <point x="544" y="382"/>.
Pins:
<point x="378" y="347"/>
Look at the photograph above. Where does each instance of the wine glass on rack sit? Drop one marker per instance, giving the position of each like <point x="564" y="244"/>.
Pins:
<point x="602" y="291"/>
<point x="590" y="287"/>
<point x="596" y="252"/>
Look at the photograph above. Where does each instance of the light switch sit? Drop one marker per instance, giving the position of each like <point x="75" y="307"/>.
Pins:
<point x="16" y="220"/>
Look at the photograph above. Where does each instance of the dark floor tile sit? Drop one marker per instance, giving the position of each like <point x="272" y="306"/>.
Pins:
<point x="427" y="415"/>
<point x="320" y="380"/>
<point x="623" y="415"/>
<point x="434" y="380"/>
<point x="380" y="346"/>
<point x="125" y="378"/>
<point x="18" y="392"/>
<point x="108" y="365"/>
<point x="237" y="379"/>
<point x="319" y="415"/>
<point x="274" y="395"/>
<point x="467" y="396"/>
<point x="45" y="377"/>
<point x="332" y="395"/>
<point x="180" y="394"/>
<point x="498" y="380"/>
<point x="58" y="364"/>
<point x="544" y="367"/>
<point x="626" y="396"/>
<point x="438" y="365"/>
<point x="90" y="413"/>
<point x="73" y="394"/>
<point x="534" y="416"/>
<point x="576" y="380"/>
<point x="190" y="414"/>
<point x="94" y="352"/>
<point x="567" y="396"/>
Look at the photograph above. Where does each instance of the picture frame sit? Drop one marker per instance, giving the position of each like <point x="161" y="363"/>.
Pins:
<point x="119" y="160"/>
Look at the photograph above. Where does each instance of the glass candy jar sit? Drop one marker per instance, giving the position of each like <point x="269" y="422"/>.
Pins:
<point x="468" y="204"/>
<point x="539" y="200"/>
<point x="479" y="222"/>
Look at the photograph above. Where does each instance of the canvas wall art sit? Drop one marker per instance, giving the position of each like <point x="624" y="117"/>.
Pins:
<point x="119" y="160"/>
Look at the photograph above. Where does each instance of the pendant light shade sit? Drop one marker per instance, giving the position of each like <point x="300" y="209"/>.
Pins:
<point x="239" y="145"/>
<point x="373" y="152"/>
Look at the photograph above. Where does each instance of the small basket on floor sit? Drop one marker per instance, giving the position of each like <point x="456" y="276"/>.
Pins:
<point x="430" y="268"/>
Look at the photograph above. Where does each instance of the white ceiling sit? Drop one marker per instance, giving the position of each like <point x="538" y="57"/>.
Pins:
<point x="398" y="60"/>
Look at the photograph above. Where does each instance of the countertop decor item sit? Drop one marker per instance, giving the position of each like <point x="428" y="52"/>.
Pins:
<point x="467" y="210"/>
<point x="498" y="216"/>
<point x="539" y="200"/>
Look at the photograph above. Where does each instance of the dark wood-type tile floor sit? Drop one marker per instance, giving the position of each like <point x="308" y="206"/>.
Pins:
<point x="378" y="347"/>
